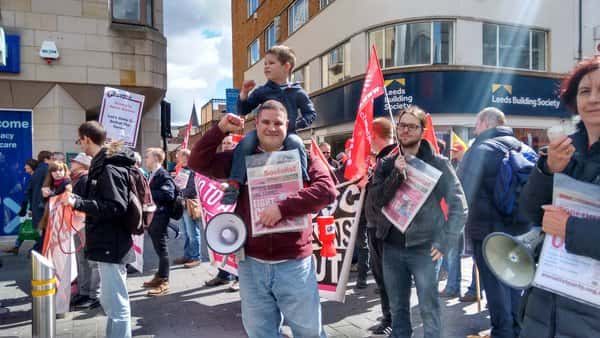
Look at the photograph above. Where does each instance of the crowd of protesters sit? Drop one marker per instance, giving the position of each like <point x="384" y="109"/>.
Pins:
<point x="277" y="279"/>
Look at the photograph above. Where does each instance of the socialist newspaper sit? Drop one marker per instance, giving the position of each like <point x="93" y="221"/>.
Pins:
<point x="567" y="274"/>
<point x="272" y="177"/>
<point x="420" y="181"/>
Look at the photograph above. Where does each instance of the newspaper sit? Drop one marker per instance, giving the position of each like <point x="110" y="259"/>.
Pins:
<point x="182" y="178"/>
<point x="412" y="194"/>
<point x="570" y="275"/>
<point x="273" y="177"/>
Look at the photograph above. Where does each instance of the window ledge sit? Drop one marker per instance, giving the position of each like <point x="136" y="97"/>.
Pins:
<point x="132" y="27"/>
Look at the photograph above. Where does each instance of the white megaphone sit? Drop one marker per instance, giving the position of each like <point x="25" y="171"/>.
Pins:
<point x="226" y="233"/>
<point x="512" y="259"/>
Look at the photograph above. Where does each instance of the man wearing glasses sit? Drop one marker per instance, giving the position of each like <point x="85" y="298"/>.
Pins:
<point x="326" y="150"/>
<point x="413" y="254"/>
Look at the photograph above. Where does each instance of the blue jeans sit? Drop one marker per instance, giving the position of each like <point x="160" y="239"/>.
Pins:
<point x="247" y="146"/>
<point x="399" y="264"/>
<point x="115" y="299"/>
<point x="451" y="262"/>
<point x="271" y="292"/>
<point x="195" y="246"/>
<point x="503" y="301"/>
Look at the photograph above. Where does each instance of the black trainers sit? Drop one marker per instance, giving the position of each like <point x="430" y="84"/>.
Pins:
<point x="230" y="194"/>
<point x="89" y="304"/>
<point x="382" y="328"/>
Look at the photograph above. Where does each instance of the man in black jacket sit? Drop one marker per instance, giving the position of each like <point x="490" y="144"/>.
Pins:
<point x="477" y="172"/>
<point x="108" y="240"/>
<point x="163" y="194"/>
<point x="414" y="253"/>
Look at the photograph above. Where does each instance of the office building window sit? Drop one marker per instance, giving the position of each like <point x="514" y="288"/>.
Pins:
<point x="137" y="12"/>
<point x="252" y="6"/>
<point x="270" y="36"/>
<point x="514" y="47"/>
<point x="336" y="64"/>
<point x="254" y="52"/>
<point x="297" y="15"/>
<point x="415" y="43"/>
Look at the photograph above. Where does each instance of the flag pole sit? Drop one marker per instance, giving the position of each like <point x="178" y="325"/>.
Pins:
<point x="389" y="109"/>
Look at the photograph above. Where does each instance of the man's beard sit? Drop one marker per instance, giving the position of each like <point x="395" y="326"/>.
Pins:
<point x="410" y="143"/>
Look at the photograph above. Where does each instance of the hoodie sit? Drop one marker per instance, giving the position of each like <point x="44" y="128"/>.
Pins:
<point x="292" y="96"/>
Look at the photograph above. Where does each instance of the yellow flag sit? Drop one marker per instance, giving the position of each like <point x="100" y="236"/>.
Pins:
<point x="457" y="141"/>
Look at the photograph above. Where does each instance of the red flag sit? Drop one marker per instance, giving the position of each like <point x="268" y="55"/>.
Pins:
<point x="317" y="155"/>
<point x="429" y="134"/>
<point x="358" y="160"/>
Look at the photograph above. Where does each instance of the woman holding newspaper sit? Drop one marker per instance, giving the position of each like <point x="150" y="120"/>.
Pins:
<point x="549" y="313"/>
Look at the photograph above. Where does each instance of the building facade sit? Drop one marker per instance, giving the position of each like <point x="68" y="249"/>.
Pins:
<point x="450" y="57"/>
<point x="116" y="43"/>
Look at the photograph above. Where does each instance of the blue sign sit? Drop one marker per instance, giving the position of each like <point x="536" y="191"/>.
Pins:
<point x="231" y="96"/>
<point x="15" y="149"/>
<point x="13" y="55"/>
<point x="447" y="92"/>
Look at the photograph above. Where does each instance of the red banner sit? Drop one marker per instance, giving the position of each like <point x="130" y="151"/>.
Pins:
<point x="358" y="161"/>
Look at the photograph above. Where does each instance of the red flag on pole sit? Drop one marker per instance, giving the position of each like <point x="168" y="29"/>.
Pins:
<point x="358" y="160"/>
<point x="429" y="134"/>
<point x="186" y="137"/>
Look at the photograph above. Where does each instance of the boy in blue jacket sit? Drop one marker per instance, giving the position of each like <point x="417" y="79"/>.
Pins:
<point x="279" y="63"/>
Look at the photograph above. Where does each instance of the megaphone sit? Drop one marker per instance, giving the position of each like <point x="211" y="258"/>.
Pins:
<point x="226" y="233"/>
<point x="512" y="258"/>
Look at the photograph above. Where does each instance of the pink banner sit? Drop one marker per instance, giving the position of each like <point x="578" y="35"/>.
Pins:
<point x="210" y="195"/>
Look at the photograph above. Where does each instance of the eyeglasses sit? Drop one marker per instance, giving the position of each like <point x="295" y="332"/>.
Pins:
<point x="411" y="127"/>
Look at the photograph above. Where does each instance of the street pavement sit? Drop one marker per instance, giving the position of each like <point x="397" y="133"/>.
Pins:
<point x="193" y="310"/>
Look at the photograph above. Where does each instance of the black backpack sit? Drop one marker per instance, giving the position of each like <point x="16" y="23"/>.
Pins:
<point x="178" y="205"/>
<point x="140" y="206"/>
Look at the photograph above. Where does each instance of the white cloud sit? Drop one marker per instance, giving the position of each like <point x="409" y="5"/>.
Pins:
<point x="199" y="61"/>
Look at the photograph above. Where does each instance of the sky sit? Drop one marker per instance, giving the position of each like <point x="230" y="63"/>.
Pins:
<point x="199" y="61"/>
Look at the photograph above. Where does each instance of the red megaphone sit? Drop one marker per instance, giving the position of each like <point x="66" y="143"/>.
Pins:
<point x="327" y="235"/>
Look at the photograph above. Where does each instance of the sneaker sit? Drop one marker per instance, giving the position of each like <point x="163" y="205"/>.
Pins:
<point x="191" y="264"/>
<point x="160" y="289"/>
<point x="154" y="282"/>
<point x="235" y="286"/>
<point x="382" y="328"/>
<point x="230" y="193"/>
<point x="79" y="299"/>
<point x="217" y="281"/>
<point x="446" y="294"/>
<point x="89" y="304"/>
<point x="182" y="260"/>
<point x="468" y="298"/>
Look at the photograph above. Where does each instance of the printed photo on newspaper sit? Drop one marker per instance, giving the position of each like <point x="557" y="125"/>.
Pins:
<point x="567" y="274"/>
<point x="412" y="194"/>
<point x="273" y="177"/>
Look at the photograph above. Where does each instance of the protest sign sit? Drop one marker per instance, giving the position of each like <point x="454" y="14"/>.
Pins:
<point x="333" y="272"/>
<point x="210" y="194"/>
<point x="420" y="181"/>
<point x="120" y="115"/>
<point x="573" y="276"/>
<point x="273" y="177"/>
